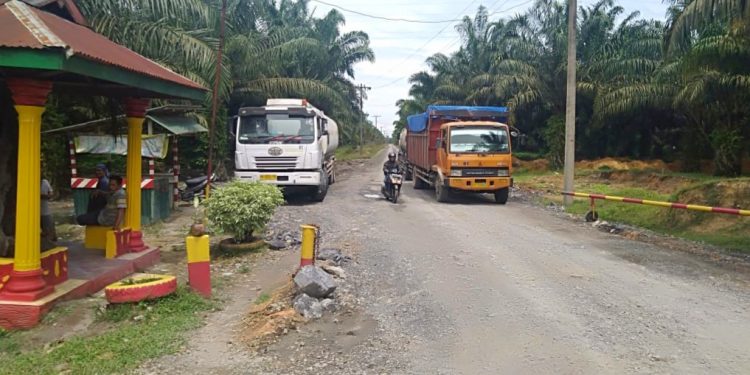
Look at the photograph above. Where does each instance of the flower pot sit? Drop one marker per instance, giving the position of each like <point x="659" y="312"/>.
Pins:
<point x="140" y="287"/>
<point x="230" y="245"/>
<point x="197" y="230"/>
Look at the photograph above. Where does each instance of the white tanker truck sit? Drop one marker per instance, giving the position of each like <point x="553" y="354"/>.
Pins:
<point x="288" y="143"/>
<point x="402" y="159"/>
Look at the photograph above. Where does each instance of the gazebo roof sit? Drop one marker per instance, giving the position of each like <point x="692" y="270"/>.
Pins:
<point x="34" y="42"/>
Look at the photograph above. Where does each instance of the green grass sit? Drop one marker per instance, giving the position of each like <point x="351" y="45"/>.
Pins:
<point x="8" y="343"/>
<point x="345" y="153"/>
<point x="648" y="217"/>
<point x="263" y="298"/>
<point x="524" y="176"/>
<point x="656" y="219"/>
<point x="528" y="156"/>
<point x="159" y="331"/>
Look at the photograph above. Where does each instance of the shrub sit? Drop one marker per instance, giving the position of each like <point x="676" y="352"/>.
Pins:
<point x="241" y="208"/>
<point x="554" y="136"/>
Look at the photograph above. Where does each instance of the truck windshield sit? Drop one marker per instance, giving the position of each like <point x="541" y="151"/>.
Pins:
<point x="276" y="129"/>
<point x="479" y="140"/>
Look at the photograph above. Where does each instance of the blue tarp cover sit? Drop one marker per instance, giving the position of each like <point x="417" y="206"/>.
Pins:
<point x="418" y="123"/>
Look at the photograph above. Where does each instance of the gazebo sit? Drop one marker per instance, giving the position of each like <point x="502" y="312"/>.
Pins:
<point x="40" y="52"/>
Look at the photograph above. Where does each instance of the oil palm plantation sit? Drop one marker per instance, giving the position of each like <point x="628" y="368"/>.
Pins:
<point x="272" y="49"/>
<point x="645" y="88"/>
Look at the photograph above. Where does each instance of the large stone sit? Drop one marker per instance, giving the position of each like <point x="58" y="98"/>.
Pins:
<point x="308" y="307"/>
<point x="334" y="270"/>
<point x="329" y="305"/>
<point x="276" y="244"/>
<point x="334" y="255"/>
<point x="315" y="282"/>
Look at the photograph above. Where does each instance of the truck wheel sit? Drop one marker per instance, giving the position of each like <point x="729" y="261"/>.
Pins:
<point x="322" y="190"/>
<point x="332" y="177"/>
<point x="419" y="184"/>
<point x="501" y="196"/>
<point x="442" y="193"/>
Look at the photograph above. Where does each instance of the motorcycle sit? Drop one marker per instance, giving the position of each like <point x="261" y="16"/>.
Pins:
<point x="396" y="180"/>
<point x="194" y="187"/>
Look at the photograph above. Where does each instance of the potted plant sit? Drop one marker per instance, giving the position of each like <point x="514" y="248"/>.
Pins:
<point x="198" y="228"/>
<point x="241" y="209"/>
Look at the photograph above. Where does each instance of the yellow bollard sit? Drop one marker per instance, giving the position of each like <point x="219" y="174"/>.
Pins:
<point x="199" y="264"/>
<point x="309" y="245"/>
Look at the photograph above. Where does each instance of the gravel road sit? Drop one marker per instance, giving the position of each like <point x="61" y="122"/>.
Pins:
<point x="472" y="287"/>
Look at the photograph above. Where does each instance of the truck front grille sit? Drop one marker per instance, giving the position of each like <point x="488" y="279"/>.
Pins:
<point x="479" y="172"/>
<point x="276" y="162"/>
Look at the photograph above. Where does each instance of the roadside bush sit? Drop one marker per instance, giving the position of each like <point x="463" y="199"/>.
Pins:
<point x="554" y="136"/>
<point x="528" y="156"/>
<point x="241" y="208"/>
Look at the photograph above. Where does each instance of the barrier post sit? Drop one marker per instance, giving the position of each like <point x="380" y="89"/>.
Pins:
<point x="309" y="245"/>
<point x="199" y="264"/>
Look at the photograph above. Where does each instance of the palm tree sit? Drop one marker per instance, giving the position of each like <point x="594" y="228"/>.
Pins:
<point x="272" y="49"/>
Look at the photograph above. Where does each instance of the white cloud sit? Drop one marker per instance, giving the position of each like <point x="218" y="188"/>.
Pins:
<point x="401" y="47"/>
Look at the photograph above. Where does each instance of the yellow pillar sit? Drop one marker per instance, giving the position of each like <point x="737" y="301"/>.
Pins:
<point x="26" y="282"/>
<point x="135" y="110"/>
<point x="28" y="248"/>
<point x="134" y="175"/>
<point x="309" y="234"/>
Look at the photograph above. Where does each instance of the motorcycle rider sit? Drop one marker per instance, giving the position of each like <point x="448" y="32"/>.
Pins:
<point x="390" y="165"/>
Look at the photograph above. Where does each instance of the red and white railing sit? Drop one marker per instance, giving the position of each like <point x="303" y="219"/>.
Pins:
<point x="90" y="183"/>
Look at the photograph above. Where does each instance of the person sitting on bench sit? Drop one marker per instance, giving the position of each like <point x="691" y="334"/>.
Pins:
<point x="113" y="214"/>
<point x="98" y="198"/>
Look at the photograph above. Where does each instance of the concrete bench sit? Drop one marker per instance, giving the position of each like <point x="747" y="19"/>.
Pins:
<point x="114" y="243"/>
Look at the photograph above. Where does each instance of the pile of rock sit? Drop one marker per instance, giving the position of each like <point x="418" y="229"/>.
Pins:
<point x="282" y="239"/>
<point x="607" y="227"/>
<point x="315" y="287"/>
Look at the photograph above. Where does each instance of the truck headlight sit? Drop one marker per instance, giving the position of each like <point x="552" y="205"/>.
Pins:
<point x="503" y="172"/>
<point x="456" y="173"/>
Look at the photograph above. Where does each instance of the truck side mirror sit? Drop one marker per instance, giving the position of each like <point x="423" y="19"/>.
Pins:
<point x="439" y="143"/>
<point x="231" y="126"/>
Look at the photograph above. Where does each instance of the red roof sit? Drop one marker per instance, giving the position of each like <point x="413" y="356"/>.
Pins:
<point x="27" y="27"/>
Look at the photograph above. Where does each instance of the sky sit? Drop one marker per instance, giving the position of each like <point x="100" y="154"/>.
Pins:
<point x="402" y="47"/>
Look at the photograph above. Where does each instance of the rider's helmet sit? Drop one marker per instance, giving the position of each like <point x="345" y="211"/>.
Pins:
<point x="391" y="156"/>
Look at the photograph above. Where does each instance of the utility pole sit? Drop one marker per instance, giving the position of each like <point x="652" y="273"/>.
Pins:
<point x="570" y="105"/>
<point x="376" y="124"/>
<point x="361" y="89"/>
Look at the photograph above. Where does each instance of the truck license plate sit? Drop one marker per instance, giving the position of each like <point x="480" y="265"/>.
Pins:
<point x="268" y="177"/>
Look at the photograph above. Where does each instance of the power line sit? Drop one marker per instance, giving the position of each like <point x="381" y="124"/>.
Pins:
<point x="423" y="46"/>
<point x="456" y="41"/>
<point x="382" y="17"/>
<point x="392" y="19"/>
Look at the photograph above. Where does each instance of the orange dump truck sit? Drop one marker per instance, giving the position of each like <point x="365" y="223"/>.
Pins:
<point x="460" y="148"/>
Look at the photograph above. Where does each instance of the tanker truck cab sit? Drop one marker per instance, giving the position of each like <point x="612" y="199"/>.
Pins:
<point x="288" y="143"/>
<point x="474" y="156"/>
